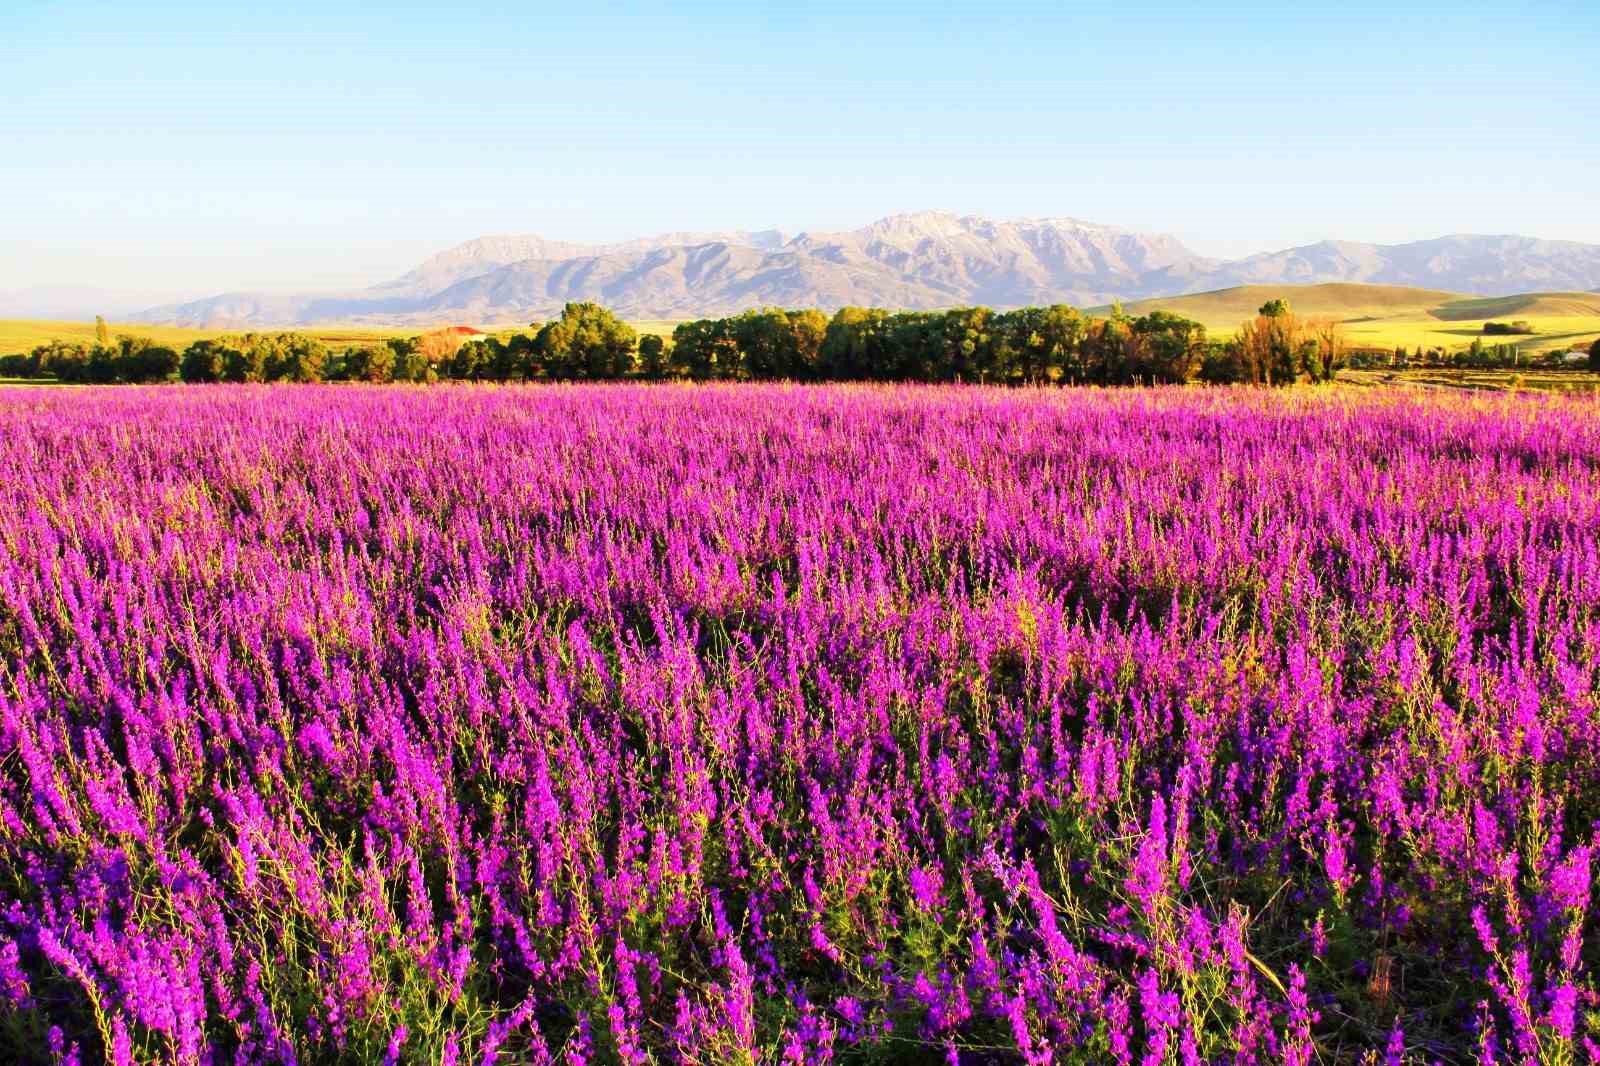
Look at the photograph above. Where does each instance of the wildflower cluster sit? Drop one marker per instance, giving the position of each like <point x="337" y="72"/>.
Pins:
<point x="781" y="724"/>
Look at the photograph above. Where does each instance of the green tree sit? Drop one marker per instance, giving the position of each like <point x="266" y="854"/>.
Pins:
<point x="102" y="332"/>
<point x="127" y="358"/>
<point x="409" y="363"/>
<point x="1223" y="363"/>
<point x="138" y="360"/>
<point x="518" y="359"/>
<point x="63" y="361"/>
<point x="1274" y="308"/>
<point x="150" y="363"/>
<point x="857" y="345"/>
<point x="705" y="348"/>
<point x="1038" y="344"/>
<point x="372" y="363"/>
<point x="809" y="327"/>
<point x="908" y="347"/>
<point x="587" y="343"/>
<point x="244" y="360"/>
<point x="653" y="356"/>
<point x="1166" y="348"/>
<point x="1594" y="355"/>
<point x="104" y="366"/>
<point x="18" y="365"/>
<point x="471" y="361"/>
<point x="766" y="343"/>
<point x="204" y="361"/>
<point x="967" y="346"/>
<point x="294" y="357"/>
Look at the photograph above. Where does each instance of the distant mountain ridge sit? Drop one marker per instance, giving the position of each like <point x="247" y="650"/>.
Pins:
<point x="79" y="302"/>
<point x="923" y="260"/>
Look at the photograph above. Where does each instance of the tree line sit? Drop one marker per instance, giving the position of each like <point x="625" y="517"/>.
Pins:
<point x="1030" y="345"/>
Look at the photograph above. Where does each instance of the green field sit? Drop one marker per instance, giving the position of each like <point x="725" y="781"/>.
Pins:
<point x="1374" y="316"/>
<point x="1490" y="380"/>
<point x="1388" y="316"/>
<point x="25" y="334"/>
<point x="20" y="335"/>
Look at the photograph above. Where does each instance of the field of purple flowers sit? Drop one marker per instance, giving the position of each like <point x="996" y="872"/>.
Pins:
<point x="764" y="724"/>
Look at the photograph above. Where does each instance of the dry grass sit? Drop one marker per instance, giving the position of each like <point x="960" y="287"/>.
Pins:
<point x="1390" y="316"/>
<point x="19" y="335"/>
<point x="1553" y="381"/>
<point x="25" y="334"/>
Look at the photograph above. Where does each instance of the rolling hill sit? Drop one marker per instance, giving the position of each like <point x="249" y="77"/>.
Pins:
<point x="1524" y="305"/>
<point x="1329" y="299"/>
<point x="1373" y="316"/>
<point x="1482" y="265"/>
<point x="1389" y="316"/>
<point x="24" y="334"/>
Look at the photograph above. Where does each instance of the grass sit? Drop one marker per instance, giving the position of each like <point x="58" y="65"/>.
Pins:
<point x="1526" y="305"/>
<point x="1390" y="316"/>
<point x="1552" y="381"/>
<point x="1374" y="316"/>
<point x="662" y="327"/>
<point x="25" y="334"/>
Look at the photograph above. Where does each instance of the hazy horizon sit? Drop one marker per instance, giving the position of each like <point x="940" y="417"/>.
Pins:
<point x="180" y="149"/>
<point x="364" y="268"/>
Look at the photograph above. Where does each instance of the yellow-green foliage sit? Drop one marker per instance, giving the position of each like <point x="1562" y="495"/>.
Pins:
<point x="1389" y="316"/>
<point x="25" y="334"/>
<point x="19" y="335"/>
<point x="1485" y="380"/>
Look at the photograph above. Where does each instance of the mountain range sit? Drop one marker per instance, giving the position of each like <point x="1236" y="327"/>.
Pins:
<point x="923" y="260"/>
<point x="77" y="302"/>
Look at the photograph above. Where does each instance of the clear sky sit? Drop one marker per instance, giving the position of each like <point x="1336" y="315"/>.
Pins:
<point x="197" y="147"/>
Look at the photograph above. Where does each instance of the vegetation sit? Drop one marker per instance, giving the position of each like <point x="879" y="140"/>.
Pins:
<point x="26" y="334"/>
<point x="1274" y="344"/>
<point x="866" y="725"/>
<point x="129" y="360"/>
<point x="1568" y="380"/>
<point x="1031" y="345"/>
<point x="1520" y="326"/>
<point x="588" y="343"/>
<point x="1377" y="319"/>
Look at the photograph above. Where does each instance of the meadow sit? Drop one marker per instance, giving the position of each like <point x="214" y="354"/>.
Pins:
<point x="737" y="724"/>
<point x="1574" y="382"/>
<point x="1391" y="316"/>
<point x="24" y="334"/>
<point x="19" y="335"/>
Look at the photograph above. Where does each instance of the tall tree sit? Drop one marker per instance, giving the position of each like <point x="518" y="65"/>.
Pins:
<point x="1167" y="348"/>
<point x="968" y="345"/>
<point x="203" y="362"/>
<point x="856" y="345"/>
<point x="587" y="342"/>
<point x="766" y="343"/>
<point x="297" y="358"/>
<point x="705" y="349"/>
<point x="245" y="361"/>
<point x="652" y="356"/>
<point x="809" y="328"/>
<point x="374" y="363"/>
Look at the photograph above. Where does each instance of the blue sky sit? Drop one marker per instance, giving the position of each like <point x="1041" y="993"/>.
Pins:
<point x="194" y="147"/>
